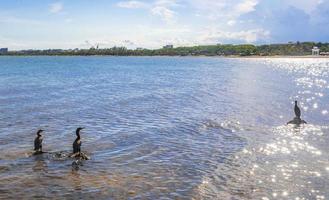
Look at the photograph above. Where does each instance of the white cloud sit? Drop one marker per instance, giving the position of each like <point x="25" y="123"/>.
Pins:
<point x="223" y="9"/>
<point x="214" y="35"/>
<point x="164" y="9"/>
<point x="132" y="4"/>
<point x="245" y="6"/>
<point x="231" y="22"/>
<point x="167" y="3"/>
<point x="155" y="37"/>
<point x="160" y="8"/>
<point x="56" y="7"/>
<point x="165" y="13"/>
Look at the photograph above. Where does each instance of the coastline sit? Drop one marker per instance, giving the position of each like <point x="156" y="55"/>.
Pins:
<point x="178" y="56"/>
<point x="285" y="50"/>
<point x="284" y="57"/>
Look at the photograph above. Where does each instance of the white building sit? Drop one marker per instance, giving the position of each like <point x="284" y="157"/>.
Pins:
<point x="315" y="51"/>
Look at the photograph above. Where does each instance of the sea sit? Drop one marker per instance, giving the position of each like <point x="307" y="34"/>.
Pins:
<point x="164" y="127"/>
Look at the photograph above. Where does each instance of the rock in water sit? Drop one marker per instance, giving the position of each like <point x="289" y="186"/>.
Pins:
<point x="76" y="164"/>
<point x="81" y="156"/>
<point x="297" y="121"/>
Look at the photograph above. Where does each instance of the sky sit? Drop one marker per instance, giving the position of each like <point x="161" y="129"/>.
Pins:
<point x="44" y="24"/>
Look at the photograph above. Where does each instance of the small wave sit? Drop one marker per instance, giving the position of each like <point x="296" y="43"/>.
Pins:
<point x="226" y="125"/>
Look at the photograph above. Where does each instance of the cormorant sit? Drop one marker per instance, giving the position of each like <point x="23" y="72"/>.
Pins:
<point x="297" y="110"/>
<point x="38" y="142"/>
<point x="77" y="142"/>
<point x="297" y="120"/>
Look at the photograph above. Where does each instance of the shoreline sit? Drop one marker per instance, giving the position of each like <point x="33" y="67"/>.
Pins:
<point x="177" y="56"/>
<point x="285" y="57"/>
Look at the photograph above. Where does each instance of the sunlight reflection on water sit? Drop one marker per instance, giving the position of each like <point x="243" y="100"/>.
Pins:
<point x="284" y="162"/>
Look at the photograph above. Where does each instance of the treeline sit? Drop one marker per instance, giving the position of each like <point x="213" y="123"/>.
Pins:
<point x="290" y="49"/>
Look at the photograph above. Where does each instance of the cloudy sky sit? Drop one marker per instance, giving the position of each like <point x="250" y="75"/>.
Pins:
<point x="42" y="24"/>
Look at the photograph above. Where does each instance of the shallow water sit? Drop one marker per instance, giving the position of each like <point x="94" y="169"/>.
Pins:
<point x="163" y="127"/>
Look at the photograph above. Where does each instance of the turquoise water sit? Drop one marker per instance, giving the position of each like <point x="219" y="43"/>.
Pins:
<point x="165" y="127"/>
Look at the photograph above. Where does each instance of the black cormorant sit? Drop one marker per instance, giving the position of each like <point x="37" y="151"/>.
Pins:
<point x="77" y="142"/>
<point x="38" y="142"/>
<point x="297" y="110"/>
<point x="297" y="120"/>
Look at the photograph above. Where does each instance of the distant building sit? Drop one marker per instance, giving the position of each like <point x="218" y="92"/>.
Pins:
<point x="3" y="50"/>
<point x="169" y="46"/>
<point x="315" y="51"/>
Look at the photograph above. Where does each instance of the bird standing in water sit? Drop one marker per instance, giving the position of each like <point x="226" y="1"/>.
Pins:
<point x="77" y="148"/>
<point x="297" y="120"/>
<point x="38" y="142"/>
<point x="297" y="110"/>
<point x="77" y="142"/>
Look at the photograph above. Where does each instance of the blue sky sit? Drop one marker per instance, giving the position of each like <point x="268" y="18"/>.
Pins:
<point x="42" y="24"/>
